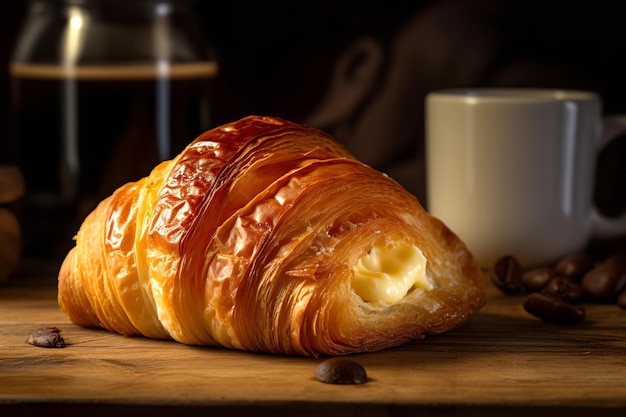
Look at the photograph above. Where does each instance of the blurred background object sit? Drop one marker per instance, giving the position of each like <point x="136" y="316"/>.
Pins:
<point x="11" y="190"/>
<point x="360" y="69"/>
<point x="101" y="91"/>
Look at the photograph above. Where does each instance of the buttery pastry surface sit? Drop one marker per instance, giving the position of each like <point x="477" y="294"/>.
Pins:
<point x="251" y="239"/>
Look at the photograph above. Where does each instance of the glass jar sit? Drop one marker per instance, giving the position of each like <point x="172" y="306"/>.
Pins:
<point x="102" y="91"/>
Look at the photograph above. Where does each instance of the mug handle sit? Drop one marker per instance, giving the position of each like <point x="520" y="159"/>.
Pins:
<point x="605" y="227"/>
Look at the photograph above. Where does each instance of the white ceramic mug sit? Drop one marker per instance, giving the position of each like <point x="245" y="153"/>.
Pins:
<point x="512" y="171"/>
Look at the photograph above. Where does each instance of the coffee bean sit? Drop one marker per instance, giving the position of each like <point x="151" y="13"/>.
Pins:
<point x="341" y="371"/>
<point x="507" y="275"/>
<point x="49" y="337"/>
<point x="536" y="279"/>
<point x="552" y="309"/>
<point x="575" y="265"/>
<point x="605" y="281"/>
<point x="565" y="289"/>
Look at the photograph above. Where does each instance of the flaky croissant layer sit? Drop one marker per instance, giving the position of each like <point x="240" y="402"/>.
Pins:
<point x="266" y="235"/>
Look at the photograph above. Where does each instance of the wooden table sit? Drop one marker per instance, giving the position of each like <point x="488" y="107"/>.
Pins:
<point x="503" y="361"/>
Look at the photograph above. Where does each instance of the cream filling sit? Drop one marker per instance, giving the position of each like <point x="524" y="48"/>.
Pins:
<point x="387" y="275"/>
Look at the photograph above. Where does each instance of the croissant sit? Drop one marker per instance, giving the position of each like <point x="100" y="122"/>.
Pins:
<point x="269" y="236"/>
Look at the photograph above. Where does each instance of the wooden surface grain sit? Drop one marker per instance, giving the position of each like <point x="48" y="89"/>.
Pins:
<point x="501" y="360"/>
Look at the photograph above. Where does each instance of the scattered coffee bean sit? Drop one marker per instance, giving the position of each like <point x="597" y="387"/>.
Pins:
<point x="552" y="309"/>
<point x="575" y="265"/>
<point x="507" y="275"/>
<point x="565" y="289"/>
<point x="49" y="337"/>
<point x="555" y="291"/>
<point x="537" y="279"/>
<point x="606" y="281"/>
<point x="341" y="371"/>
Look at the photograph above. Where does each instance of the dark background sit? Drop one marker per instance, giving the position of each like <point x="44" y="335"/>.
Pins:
<point x="265" y="46"/>
<point x="275" y="59"/>
<point x="266" y="50"/>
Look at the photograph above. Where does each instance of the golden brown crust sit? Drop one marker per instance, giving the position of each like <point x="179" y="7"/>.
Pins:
<point x="247" y="239"/>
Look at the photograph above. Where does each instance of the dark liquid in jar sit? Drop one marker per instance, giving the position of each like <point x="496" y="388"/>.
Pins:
<point x="79" y="135"/>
